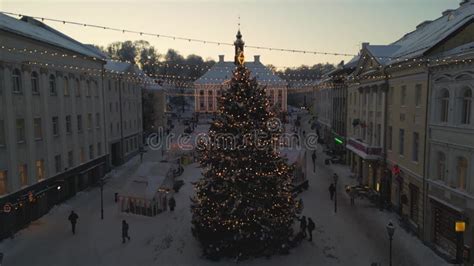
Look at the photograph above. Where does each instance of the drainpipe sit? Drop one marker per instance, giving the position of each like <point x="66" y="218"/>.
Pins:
<point x="426" y="153"/>
<point x="105" y="126"/>
<point x="122" y="159"/>
<point x="384" y="146"/>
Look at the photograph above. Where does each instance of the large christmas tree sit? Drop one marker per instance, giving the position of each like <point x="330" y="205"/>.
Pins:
<point x="243" y="205"/>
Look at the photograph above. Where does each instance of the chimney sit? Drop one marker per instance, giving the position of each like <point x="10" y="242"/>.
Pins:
<point x="464" y="2"/>
<point x="221" y="58"/>
<point x="256" y="58"/>
<point x="447" y="12"/>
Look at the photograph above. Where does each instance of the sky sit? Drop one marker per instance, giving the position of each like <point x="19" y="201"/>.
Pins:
<point x="338" y="26"/>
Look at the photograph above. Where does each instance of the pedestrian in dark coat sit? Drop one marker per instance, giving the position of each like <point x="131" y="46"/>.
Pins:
<point x="125" y="231"/>
<point x="303" y="226"/>
<point x="73" y="219"/>
<point x="313" y="157"/>
<point x="311" y="227"/>
<point x="172" y="203"/>
<point x="332" y="190"/>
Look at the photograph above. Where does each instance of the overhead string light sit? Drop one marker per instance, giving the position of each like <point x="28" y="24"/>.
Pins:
<point x="172" y="37"/>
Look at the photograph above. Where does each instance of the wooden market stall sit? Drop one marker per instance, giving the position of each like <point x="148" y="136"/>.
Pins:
<point x="148" y="191"/>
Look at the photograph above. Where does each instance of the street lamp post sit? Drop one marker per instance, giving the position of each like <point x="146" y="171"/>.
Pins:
<point x="390" y="231"/>
<point x="335" y="192"/>
<point x="102" y="199"/>
<point x="459" y="228"/>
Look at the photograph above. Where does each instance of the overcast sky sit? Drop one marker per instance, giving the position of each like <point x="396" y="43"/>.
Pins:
<point x="319" y="25"/>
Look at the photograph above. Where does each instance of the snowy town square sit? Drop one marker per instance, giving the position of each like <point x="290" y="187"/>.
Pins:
<point x="274" y="132"/>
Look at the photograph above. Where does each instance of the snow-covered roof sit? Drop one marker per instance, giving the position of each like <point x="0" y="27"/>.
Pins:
<point x="428" y="34"/>
<point x="34" y="29"/>
<point x="147" y="179"/>
<point x="117" y="66"/>
<point x="144" y="187"/>
<point x="382" y="53"/>
<point x="222" y="72"/>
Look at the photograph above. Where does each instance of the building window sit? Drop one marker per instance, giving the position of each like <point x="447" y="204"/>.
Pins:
<point x="52" y="84"/>
<point x="97" y="120"/>
<point x="55" y="126"/>
<point x="466" y="106"/>
<point x="418" y="95"/>
<point x="38" y="129"/>
<point x="110" y="107"/>
<point x="68" y="124"/>
<point x="66" y="86"/>
<point x="401" y="142"/>
<point x="82" y="156"/>
<point x="414" y="199"/>
<point x="89" y="121"/>
<point x="20" y="130"/>
<point x="462" y="173"/>
<point x="23" y="175"/>
<point x="416" y="146"/>
<point x="201" y="99"/>
<point x="444" y="105"/>
<point x="3" y="182"/>
<point x="96" y="89"/>
<point x="99" y="149"/>
<point x="39" y="170"/>
<point x="91" y="152"/>
<point x="34" y="82"/>
<point x="16" y="81"/>
<point x="88" y="88"/>
<point x="378" y="132"/>
<point x="70" y="159"/>
<point x="110" y="84"/>
<point x="403" y="96"/>
<point x="111" y="128"/>
<point x="78" y="88"/>
<point x="441" y="166"/>
<point x="79" y="123"/>
<point x="389" y="138"/>
<point x="57" y="163"/>
<point x="2" y="134"/>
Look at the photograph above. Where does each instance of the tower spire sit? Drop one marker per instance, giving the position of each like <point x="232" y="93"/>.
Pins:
<point x="239" y="46"/>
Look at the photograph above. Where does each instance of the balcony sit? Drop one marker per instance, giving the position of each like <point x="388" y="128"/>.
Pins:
<point x="364" y="150"/>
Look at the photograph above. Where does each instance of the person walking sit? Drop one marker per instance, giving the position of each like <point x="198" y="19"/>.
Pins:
<point x="172" y="203"/>
<point x="311" y="227"/>
<point x="303" y="226"/>
<point x="73" y="219"/>
<point x="314" y="157"/>
<point x="352" y="194"/>
<point x="332" y="190"/>
<point x="125" y="235"/>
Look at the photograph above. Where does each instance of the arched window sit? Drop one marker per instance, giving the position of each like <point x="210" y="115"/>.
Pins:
<point x="34" y="82"/>
<point x="441" y="166"/>
<point x="88" y="88"/>
<point x="78" y="88"/>
<point x="461" y="172"/>
<point x="66" y="86"/>
<point x="444" y="105"/>
<point x="96" y="89"/>
<point x="16" y="80"/>
<point x="466" y="106"/>
<point x="52" y="84"/>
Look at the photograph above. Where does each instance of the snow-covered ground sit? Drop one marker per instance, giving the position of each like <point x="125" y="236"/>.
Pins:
<point x="353" y="236"/>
